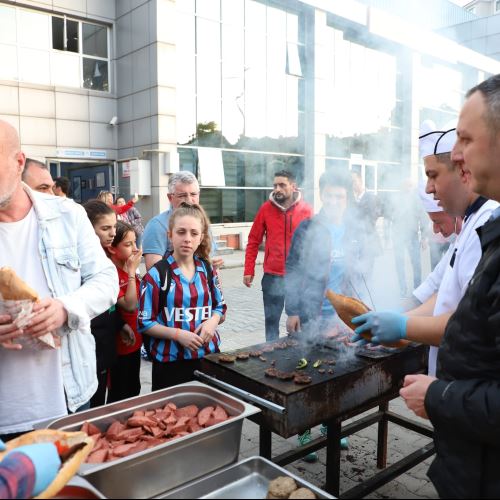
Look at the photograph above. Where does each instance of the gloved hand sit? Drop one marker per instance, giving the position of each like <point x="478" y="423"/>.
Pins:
<point x="386" y="327"/>
<point x="46" y="462"/>
<point x="2" y="446"/>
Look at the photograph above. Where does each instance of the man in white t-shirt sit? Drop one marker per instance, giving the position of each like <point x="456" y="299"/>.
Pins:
<point x="50" y="243"/>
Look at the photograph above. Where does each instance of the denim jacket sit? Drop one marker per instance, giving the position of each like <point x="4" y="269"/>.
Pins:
<point x="80" y="276"/>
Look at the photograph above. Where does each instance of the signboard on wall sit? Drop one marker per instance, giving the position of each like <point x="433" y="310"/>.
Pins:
<point x="95" y="154"/>
<point x="125" y="169"/>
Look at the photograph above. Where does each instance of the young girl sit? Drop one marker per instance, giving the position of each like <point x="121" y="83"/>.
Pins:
<point x="125" y="376"/>
<point x="104" y="326"/>
<point x="181" y="301"/>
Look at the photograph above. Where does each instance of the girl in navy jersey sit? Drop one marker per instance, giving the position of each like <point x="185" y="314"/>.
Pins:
<point x="181" y="301"/>
<point x="125" y="375"/>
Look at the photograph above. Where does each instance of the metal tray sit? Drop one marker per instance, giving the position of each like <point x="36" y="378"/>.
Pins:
<point x="247" y="479"/>
<point x="159" y="469"/>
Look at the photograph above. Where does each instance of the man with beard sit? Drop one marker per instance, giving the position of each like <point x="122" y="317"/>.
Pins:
<point x="277" y="220"/>
<point x="451" y="185"/>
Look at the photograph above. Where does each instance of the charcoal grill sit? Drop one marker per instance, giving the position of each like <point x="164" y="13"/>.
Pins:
<point x="356" y="385"/>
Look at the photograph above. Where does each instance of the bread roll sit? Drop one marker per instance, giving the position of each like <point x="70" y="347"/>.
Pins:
<point x="348" y="308"/>
<point x="12" y="287"/>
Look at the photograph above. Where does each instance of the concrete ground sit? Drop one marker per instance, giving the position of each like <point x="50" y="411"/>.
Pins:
<point x="245" y="326"/>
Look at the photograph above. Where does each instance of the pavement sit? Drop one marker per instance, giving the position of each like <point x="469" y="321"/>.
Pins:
<point x="244" y="326"/>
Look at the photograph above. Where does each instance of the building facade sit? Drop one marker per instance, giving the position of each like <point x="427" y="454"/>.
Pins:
<point x="119" y="94"/>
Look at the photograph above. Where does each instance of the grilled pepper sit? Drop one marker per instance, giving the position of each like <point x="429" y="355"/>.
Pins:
<point x="302" y="364"/>
<point x="318" y="363"/>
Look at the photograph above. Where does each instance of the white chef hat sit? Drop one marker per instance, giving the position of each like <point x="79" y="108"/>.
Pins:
<point x="433" y="141"/>
<point x="428" y="201"/>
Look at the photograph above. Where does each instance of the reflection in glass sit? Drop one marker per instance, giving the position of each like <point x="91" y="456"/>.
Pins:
<point x="95" y="40"/>
<point x="58" y="41"/>
<point x="95" y="74"/>
<point x="232" y="205"/>
<point x="72" y="36"/>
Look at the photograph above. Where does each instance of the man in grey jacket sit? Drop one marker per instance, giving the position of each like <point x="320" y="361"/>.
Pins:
<point x="51" y="245"/>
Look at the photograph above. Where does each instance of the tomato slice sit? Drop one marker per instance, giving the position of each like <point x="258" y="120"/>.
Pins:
<point x="61" y="448"/>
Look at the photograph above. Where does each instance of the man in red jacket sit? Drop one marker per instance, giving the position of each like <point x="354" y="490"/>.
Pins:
<point x="277" y="219"/>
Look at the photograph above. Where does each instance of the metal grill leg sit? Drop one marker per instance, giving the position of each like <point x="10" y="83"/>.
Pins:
<point x="383" y="431"/>
<point x="265" y="443"/>
<point x="333" y="457"/>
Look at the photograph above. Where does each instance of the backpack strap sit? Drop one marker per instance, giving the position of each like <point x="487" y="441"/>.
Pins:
<point x="165" y="277"/>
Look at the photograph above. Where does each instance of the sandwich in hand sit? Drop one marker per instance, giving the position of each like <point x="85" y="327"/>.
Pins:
<point x="14" y="289"/>
<point x="72" y="447"/>
<point x="348" y="308"/>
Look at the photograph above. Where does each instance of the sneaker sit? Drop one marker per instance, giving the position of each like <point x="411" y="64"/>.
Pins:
<point x="304" y="439"/>
<point x="344" y="442"/>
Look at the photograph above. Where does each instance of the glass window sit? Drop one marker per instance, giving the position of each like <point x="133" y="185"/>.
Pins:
<point x="497" y="5"/>
<point x="209" y="9"/>
<point x="58" y="40"/>
<point x="255" y="16"/>
<point x="72" y="36"/>
<point x="33" y="30"/>
<point x="65" y="34"/>
<point x="7" y="25"/>
<point x="233" y="12"/>
<point x="95" y="74"/>
<point x="232" y="205"/>
<point x="94" y="40"/>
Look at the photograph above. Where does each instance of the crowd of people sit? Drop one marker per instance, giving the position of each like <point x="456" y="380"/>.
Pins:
<point x="84" y="263"/>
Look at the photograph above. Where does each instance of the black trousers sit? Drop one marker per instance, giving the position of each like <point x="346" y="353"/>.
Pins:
<point x="125" y="377"/>
<point x="173" y="373"/>
<point x="99" y="398"/>
<point x="273" y="292"/>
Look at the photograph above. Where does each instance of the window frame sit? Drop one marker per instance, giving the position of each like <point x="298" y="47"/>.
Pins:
<point x="81" y="55"/>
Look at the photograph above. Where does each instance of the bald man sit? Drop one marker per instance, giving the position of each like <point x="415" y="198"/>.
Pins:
<point x="51" y="245"/>
<point x="37" y="176"/>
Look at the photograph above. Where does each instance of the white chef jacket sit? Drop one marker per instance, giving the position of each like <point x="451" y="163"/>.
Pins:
<point x="464" y="255"/>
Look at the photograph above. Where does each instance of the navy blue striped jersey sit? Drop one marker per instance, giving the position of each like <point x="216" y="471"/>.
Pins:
<point x="188" y="304"/>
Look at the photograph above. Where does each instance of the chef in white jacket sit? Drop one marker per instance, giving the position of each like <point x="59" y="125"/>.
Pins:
<point x="450" y="186"/>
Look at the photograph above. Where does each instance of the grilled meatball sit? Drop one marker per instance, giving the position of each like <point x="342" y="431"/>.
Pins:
<point x="271" y="373"/>
<point x="227" y="358"/>
<point x="255" y="354"/>
<point x="302" y="379"/>
<point x="285" y="375"/>
<point x="243" y="356"/>
<point x="281" y="487"/>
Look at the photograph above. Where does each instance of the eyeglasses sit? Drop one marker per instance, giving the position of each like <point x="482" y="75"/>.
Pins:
<point x="185" y="196"/>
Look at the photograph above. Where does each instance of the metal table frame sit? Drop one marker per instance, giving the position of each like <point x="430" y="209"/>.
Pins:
<point x="335" y="431"/>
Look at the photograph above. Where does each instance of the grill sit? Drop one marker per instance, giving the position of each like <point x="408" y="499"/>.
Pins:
<point x="361" y="380"/>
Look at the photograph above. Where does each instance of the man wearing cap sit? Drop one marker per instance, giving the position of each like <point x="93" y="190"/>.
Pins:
<point x="444" y="226"/>
<point x="450" y="184"/>
<point x="448" y="228"/>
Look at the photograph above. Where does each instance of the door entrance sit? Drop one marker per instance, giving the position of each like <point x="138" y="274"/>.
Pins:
<point x="86" y="179"/>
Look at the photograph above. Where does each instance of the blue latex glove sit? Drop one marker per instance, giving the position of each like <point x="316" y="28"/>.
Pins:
<point x="386" y="327"/>
<point x="2" y="446"/>
<point x="46" y="462"/>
